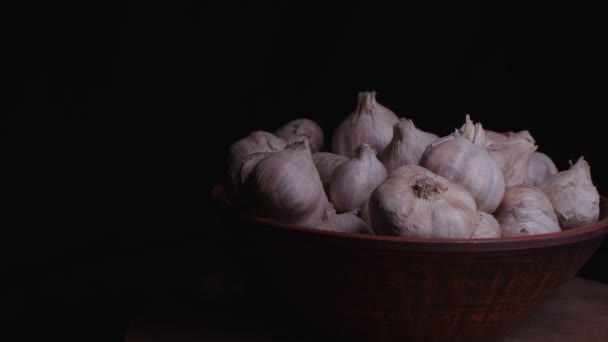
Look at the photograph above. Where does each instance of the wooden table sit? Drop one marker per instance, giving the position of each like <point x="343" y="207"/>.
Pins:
<point x="577" y="312"/>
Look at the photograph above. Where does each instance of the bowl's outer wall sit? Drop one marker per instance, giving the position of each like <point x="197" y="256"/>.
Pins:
<point x="377" y="294"/>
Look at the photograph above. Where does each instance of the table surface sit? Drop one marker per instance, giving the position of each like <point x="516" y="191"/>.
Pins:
<point x="577" y="312"/>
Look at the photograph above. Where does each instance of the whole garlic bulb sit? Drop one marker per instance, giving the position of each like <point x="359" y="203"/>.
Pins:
<point x="296" y="129"/>
<point x="415" y="202"/>
<point x="346" y="222"/>
<point x="513" y="152"/>
<point x="526" y="210"/>
<point x="407" y="145"/>
<point x="256" y="141"/>
<point x="573" y="195"/>
<point x="462" y="159"/>
<point x="238" y="174"/>
<point x="370" y="123"/>
<point x="326" y="163"/>
<point x="540" y="168"/>
<point x="286" y="187"/>
<point x="353" y="181"/>
<point x="486" y="226"/>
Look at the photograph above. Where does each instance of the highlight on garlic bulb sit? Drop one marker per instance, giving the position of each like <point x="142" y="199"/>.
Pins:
<point x="540" y="168"/>
<point x="512" y="151"/>
<point x="326" y="163"/>
<point x="286" y="187"/>
<point x="526" y="210"/>
<point x="573" y="195"/>
<point x="462" y="159"/>
<point x="353" y="181"/>
<point x="238" y="174"/>
<point x="256" y="141"/>
<point x="407" y="145"/>
<point x="370" y="123"/>
<point x="296" y="129"/>
<point x="486" y="226"/>
<point x="415" y="202"/>
<point x="345" y="222"/>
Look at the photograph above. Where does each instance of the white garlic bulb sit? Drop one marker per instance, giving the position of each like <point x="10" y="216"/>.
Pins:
<point x="415" y="202"/>
<point x="462" y="159"/>
<point x="353" y="181"/>
<point x="486" y="226"/>
<point x="326" y="163"/>
<point x="286" y="187"/>
<point x="526" y="210"/>
<point x="407" y="145"/>
<point x="256" y="141"/>
<point x="345" y="222"/>
<point x="540" y="168"/>
<point x="574" y="197"/>
<point x="294" y="130"/>
<point x="238" y="174"/>
<point x="370" y="123"/>
<point x="512" y="151"/>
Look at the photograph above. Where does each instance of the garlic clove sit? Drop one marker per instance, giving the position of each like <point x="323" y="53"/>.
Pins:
<point x="286" y="187"/>
<point x="526" y="210"/>
<point x="238" y="175"/>
<point x="540" y="168"/>
<point x="461" y="158"/>
<point x="256" y="141"/>
<point x="415" y="202"/>
<point x="407" y="145"/>
<point x="346" y="222"/>
<point x="352" y="182"/>
<point x="326" y="163"/>
<point x="294" y="130"/>
<point x="486" y="226"/>
<point x="573" y="195"/>
<point x="370" y="123"/>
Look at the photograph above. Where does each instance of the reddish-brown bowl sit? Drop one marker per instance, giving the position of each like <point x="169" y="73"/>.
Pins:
<point x="380" y="288"/>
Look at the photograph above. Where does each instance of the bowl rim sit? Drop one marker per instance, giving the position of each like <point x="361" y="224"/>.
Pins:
<point x="594" y="230"/>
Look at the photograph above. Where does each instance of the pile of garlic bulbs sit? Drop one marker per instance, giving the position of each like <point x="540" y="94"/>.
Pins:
<point x="385" y="176"/>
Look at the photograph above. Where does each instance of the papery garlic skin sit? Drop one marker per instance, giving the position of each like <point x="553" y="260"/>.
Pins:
<point x="370" y="123"/>
<point x="353" y="181"/>
<point x="462" y="159"/>
<point x="238" y="175"/>
<point x="526" y="210"/>
<point x="575" y="199"/>
<point x="512" y="151"/>
<point x="486" y="226"/>
<point x="296" y="129"/>
<point x="256" y="141"/>
<point x="345" y="222"/>
<point x="414" y="202"/>
<point x="326" y="163"/>
<point x="540" y="168"/>
<point x="407" y="145"/>
<point x="286" y="187"/>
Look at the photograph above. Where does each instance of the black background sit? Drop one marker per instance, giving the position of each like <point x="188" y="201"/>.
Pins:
<point x="119" y="117"/>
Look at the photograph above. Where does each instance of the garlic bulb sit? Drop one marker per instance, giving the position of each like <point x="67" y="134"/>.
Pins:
<point x="573" y="195"/>
<point x="407" y="145"/>
<point x="346" y="222"/>
<point x="286" y="187"/>
<point x="415" y="202"/>
<point x="256" y="141"/>
<point x="512" y="151"/>
<point x="462" y="159"/>
<point x="486" y="226"/>
<point x="326" y="163"/>
<point x="294" y="130"/>
<point x="526" y="210"/>
<point x="370" y="123"/>
<point x="238" y="174"/>
<point x="352" y="182"/>
<point x="540" y="168"/>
